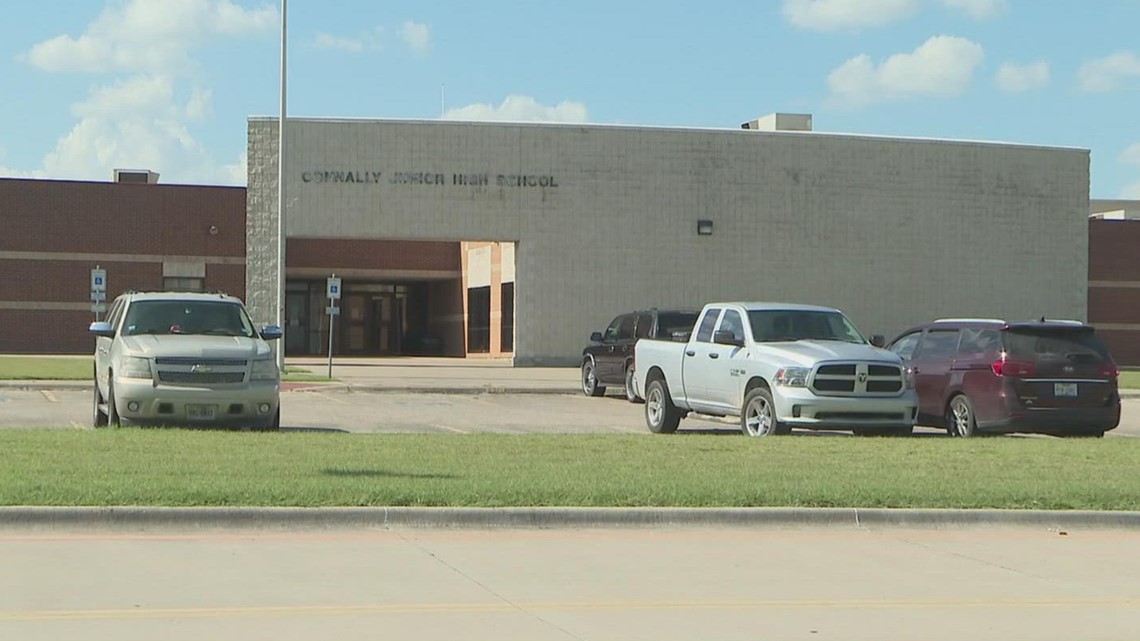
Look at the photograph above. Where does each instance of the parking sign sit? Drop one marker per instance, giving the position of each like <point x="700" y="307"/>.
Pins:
<point x="333" y="288"/>
<point x="98" y="280"/>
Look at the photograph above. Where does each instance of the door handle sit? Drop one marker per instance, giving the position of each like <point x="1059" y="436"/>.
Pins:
<point x="690" y="353"/>
<point x="102" y="350"/>
<point x="714" y="355"/>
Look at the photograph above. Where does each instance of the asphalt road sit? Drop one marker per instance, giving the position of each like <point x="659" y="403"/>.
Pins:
<point x="581" y="585"/>
<point x="423" y="413"/>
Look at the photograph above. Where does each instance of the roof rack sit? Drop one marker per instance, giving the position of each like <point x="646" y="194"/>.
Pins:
<point x="1059" y="321"/>
<point x="969" y="320"/>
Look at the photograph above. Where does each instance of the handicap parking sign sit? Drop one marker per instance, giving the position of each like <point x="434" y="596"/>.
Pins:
<point x="334" y="288"/>
<point x="98" y="280"/>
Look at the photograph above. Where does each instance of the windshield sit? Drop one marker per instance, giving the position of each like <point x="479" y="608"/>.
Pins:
<point x="215" y="318"/>
<point x="771" y="326"/>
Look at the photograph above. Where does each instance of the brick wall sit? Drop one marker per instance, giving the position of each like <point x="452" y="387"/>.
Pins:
<point x="347" y="253"/>
<point x="55" y="232"/>
<point x="1114" y="286"/>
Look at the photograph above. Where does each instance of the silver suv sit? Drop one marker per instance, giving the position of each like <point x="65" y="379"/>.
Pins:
<point x="177" y="358"/>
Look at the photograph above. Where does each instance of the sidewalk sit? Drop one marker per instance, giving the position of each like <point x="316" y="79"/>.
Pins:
<point x="428" y="375"/>
<point x="442" y="375"/>
<point x="419" y="374"/>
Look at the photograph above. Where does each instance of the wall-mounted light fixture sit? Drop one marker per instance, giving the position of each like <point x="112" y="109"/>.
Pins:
<point x="704" y="227"/>
<point x="213" y="230"/>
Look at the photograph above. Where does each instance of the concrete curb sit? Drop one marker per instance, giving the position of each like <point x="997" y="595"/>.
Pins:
<point x="216" y="518"/>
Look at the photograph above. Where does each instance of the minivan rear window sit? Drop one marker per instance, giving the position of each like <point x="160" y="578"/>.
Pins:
<point x="1074" y="345"/>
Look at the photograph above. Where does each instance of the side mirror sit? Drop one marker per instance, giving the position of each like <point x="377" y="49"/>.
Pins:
<point x="102" y="328"/>
<point x="726" y="337"/>
<point x="878" y="340"/>
<point x="596" y="337"/>
<point x="271" y="333"/>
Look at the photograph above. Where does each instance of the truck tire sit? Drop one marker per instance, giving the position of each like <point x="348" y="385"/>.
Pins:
<point x="98" y="418"/>
<point x="590" y="384"/>
<point x="758" y="416"/>
<point x="630" y="393"/>
<point x="112" y="411"/>
<point x="661" y="415"/>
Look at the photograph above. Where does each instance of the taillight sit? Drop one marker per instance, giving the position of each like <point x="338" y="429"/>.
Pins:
<point x="1003" y="367"/>
<point x="1109" y="370"/>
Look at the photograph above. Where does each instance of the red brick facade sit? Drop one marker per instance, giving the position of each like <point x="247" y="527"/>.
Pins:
<point x="345" y="253"/>
<point x="1114" y="286"/>
<point x="55" y="232"/>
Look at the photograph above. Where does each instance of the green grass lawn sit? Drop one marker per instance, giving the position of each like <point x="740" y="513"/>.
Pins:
<point x="1130" y="379"/>
<point x="78" y="368"/>
<point x="217" y="468"/>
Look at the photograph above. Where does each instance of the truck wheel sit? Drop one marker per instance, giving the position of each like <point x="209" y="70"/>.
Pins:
<point x="759" y="415"/>
<point x="630" y="393"/>
<point x="98" y="418"/>
<point x="661" y="415"/>
<point x="590" y="385"/>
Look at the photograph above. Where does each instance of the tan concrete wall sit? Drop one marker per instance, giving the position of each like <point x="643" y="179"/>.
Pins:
<point x="892" y="231"/>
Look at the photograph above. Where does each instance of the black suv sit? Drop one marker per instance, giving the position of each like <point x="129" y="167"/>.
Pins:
<point x="1045" y="376"/>
<point x="608" y="360"/>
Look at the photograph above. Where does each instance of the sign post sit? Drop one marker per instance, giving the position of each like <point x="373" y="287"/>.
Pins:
<point x="98" y="291"/>
<point x="332" y="290"/>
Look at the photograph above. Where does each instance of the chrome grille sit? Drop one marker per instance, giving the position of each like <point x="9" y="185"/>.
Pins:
<point x="857" y="379"/>
<point x="201" y="378"/>
<point x="191" y="361"/>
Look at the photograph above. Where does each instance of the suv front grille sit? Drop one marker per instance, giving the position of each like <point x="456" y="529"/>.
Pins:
<point x="191" y="361"/>
<point x="857" y="379"/>
<point x="190" y="370"/>
<point x="201" y="378"/>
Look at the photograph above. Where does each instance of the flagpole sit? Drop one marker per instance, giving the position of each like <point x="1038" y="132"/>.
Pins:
<point x="281" y="201"/>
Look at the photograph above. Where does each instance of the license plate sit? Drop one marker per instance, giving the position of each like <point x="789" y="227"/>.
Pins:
<point x="201" y="412"/>
<point x="1064" y="389"/>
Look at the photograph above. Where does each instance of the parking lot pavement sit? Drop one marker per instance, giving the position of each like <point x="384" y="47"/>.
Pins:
<point x="338" y="410"/>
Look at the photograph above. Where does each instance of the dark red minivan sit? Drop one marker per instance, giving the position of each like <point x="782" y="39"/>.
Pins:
<point x="981" y="375"/>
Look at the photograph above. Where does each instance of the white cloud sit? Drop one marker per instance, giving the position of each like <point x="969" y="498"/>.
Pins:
<point x="834" y="15"/>
<point x="1131" y="155"/>
<point x="520" y="109"/>
<point x="147" y="36"/>
<point x="1106" y="74"/>
<point x="942" y="66"/>
<point x="141" y="119"/>
<point x="135" y="122"/>
<point x="417" y="36"/>
<point x="837" y="15"/>
<point x="1014" y="78"/>
<point x="978" y="9"/>
<point x="365" y="42"/>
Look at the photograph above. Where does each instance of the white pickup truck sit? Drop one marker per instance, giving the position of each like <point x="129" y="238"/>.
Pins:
<point x="776" y="366"/>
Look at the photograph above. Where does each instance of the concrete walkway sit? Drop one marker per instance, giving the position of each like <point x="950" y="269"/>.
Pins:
<point x="420" y="374"/>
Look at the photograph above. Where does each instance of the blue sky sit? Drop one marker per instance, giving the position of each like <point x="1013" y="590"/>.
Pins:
<point x="91" y="85"/>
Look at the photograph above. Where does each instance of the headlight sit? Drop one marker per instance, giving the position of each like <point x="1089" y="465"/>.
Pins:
<point x="134" y="367"/>
<point x="793" y="376"/>
<point x="265" y="370"/>
<point x="908" y="375"/>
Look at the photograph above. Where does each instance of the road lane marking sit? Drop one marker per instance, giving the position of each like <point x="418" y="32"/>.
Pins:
<point x="564" y="606"/>
<point x="79" y="426"/>
<point x="456" y="430"/>
<point x="49" y="396"/>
